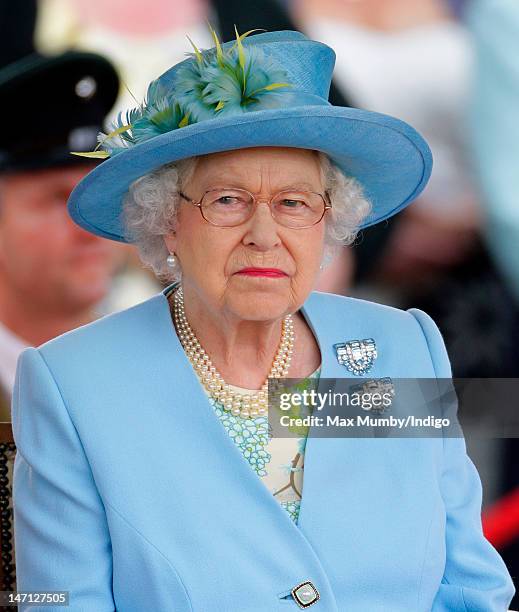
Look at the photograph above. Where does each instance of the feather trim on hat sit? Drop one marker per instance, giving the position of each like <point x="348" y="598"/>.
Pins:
<point x="215" y="82"/>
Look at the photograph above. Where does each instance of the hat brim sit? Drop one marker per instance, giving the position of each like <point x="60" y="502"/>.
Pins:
<point x="387" y="156"/>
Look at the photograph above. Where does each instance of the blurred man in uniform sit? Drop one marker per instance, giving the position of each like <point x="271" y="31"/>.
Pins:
<point x="52" y="273"/>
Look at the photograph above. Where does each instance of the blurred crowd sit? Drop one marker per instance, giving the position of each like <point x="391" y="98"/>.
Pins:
<point x="449" y="68"/>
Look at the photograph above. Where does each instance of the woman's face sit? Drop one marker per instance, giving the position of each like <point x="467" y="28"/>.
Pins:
<point x="212" y="258"/>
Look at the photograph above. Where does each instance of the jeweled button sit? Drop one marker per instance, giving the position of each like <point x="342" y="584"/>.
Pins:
<point x="305" y="594"/>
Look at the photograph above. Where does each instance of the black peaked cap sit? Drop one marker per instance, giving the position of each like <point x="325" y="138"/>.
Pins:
<point x="50" y="106"/>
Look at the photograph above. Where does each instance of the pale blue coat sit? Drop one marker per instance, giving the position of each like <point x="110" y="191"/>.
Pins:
<point x="130" y="494"/>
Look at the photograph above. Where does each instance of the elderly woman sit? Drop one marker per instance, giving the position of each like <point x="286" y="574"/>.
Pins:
<point x="136" y="434"/>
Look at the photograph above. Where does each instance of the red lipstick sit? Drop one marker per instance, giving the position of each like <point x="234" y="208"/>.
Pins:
<point x="269" y="272"/>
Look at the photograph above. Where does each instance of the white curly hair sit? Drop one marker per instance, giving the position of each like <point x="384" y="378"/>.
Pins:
<point x="150" y="208"/>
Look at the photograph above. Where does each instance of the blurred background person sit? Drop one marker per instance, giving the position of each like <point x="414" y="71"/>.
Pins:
<point x="52" y="273"/>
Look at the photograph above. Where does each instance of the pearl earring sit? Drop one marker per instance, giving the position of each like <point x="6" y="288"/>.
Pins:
<point x="171" y="260"/>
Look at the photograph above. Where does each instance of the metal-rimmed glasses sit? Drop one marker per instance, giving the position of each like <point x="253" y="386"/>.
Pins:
<point x="229" y="207"/>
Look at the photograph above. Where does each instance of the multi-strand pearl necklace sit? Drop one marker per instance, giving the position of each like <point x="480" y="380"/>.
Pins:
<point x="247" y="406"/>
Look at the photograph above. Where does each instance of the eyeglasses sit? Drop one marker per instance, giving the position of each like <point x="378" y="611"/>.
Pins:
<point x="231" y="207"/>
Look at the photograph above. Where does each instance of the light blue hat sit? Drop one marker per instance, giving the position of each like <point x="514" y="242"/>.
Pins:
<point x="270" y="89"/>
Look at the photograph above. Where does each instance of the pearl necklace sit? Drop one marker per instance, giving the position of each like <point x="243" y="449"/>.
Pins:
<point x="247" y="406"/>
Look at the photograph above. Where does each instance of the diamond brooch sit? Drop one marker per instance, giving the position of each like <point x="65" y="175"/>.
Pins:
<point x="357" y="356"/>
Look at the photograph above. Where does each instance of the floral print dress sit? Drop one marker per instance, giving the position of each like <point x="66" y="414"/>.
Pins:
<point x="279" y="462"/>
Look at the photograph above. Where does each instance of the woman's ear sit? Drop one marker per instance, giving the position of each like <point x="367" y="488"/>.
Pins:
<point x="171" y="241"/>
